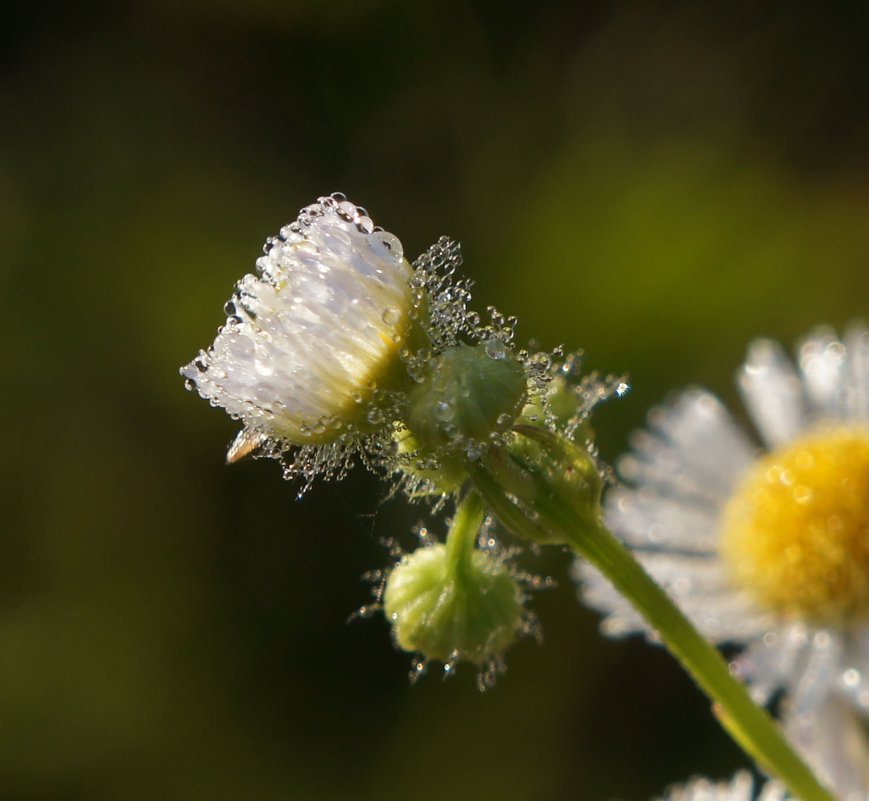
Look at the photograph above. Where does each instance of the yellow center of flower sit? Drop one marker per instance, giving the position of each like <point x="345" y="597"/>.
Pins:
<point x="796" y="531"/>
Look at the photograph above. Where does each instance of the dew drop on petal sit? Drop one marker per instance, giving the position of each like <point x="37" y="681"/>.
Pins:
<point x="386" y="246"/>
<point x="391" y="316"/>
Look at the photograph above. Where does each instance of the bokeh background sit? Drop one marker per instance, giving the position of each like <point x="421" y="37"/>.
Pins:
<point x="656" y="183"/>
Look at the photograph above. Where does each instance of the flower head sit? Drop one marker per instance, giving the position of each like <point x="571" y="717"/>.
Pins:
<point x="765" y="550"/>
<point x="310" y="342"/>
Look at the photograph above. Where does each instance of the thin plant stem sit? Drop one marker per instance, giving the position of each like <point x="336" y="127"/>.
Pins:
<point x="463" y="533"/>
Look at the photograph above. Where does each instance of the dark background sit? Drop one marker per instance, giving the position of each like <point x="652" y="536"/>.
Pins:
<point x="656" y="183"/>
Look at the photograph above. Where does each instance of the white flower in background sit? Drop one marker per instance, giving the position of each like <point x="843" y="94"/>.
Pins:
<point x="740" y="788"/>
<point x="309" y="352"/>
<point x="768" y="551"/>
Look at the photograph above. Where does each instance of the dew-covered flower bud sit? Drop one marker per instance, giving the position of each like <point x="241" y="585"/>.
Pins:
<point x="308" y="340"/>
<point x="453" y="602"/>
<point x="442" y="615"/>
<point x="468" y="394"/>
<point x="309" y="353"/>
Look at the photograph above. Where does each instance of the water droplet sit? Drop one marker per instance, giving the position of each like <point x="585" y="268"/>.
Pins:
<point x="495" y="349"/>
<point x="444" y="411"/>
<point x="504" y="420"/>
<point x="375" y="415"/>
<point x="391" y="316"/>
<point x="386" y="246"/>
<point x="851" y="677"/>
<point x="346" y="210"/>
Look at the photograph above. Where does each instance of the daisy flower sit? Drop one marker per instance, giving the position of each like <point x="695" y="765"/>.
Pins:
<point x="740" y="788"/>
<point x="764" y="549"/>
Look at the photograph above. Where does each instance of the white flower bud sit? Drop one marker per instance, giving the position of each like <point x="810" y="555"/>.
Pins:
<point x="310" y="341"/>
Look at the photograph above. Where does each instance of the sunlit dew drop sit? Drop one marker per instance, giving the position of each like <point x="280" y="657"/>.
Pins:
<point x="318" y="428"/>
<point x="795" y="533"/>
<point x="391" y="316"/>
<point x="386" y="246"/>
<point x="444" y="411"/>
<point x="504" y="420"/>
<point x="851" y="678"/>
<point x="622" y="389"/>
<point x="496" y="349"/>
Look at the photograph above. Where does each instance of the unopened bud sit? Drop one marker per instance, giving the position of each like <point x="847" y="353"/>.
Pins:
<point x="471" y="614"/>
<point x="469" y="393"/>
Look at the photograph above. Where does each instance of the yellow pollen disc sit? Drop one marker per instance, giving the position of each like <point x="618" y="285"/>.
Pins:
<point x="796" y="530"/>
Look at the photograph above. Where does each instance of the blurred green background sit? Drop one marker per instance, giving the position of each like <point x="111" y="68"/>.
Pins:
<point x="656" y="183"/>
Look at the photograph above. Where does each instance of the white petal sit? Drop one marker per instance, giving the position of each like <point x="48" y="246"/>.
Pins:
<point x="702" y="789"/>
<point x="770" y="662"/>
<point x="772" y="392"/>
<point x="822" y="361"/>
<point x="857" y="343"/>
<point x="812" y="682"/>
<point x="646" y="519"/>
<point x="697" y="585"/>
<point x="832" y="740"/>
<point x="692" y="450"/>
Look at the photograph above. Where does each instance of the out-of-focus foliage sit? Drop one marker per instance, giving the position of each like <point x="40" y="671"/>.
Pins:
<point x="657" y="183"/>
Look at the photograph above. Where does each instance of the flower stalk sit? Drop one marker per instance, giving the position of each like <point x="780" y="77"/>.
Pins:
<point x="539" y="503"/>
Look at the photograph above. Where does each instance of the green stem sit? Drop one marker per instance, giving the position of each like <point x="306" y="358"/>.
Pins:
<point x="463" y="534"/>
<point x="550" y="517"/>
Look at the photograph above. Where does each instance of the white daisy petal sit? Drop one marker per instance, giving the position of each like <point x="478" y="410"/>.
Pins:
<point x="772" y="392"/>
<point x="809" y="687"/>
<point x="769" y="661"/>
<point x="857" y="344"/>
<point x="706" y="438"/>
<point x="833" y="741"/>
<point x="854" y="681"/>
<point x="693" y="450"/>
<point x="740" y="788"/>
<point x="822" y="361"/>
<point x="646" y="519"/>
<point x="773" y="791"/>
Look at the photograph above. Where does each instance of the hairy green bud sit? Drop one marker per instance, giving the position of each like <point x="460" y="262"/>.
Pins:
<point x="454" y="602"/>
<point x="443" y="614"/>
<point x="468" y="393"/>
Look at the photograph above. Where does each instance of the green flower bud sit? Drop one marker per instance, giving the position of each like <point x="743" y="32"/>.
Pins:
<point x="454" y="602"/>
<point x="447" y="614"/>
<point x="468" y="394"/>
